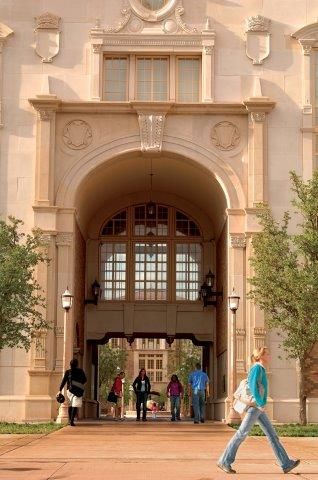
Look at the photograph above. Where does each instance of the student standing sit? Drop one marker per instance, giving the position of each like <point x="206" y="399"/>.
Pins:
<point x="142" y="389"/>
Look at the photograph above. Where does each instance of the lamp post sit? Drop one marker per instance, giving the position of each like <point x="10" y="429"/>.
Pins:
<point x="233" y="302"/>
<point x="67" y="302"/>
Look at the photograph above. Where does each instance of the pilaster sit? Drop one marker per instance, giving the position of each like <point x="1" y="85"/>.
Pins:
<point x="257" y="158"/>
<point x="5" y="32"/>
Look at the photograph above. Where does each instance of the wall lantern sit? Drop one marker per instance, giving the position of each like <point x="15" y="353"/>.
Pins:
<point x="207" y="294"/>
<point x="67" y="300"/>
<point x="96" y="291"/>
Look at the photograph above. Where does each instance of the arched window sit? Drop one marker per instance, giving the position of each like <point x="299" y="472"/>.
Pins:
<point x="150" y="252"/>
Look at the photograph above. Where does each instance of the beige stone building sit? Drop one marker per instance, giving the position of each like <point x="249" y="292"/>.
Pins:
<point x="140" y="135"/>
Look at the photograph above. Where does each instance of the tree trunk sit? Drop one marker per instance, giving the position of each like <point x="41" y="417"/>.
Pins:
<point x="302" y="392"/>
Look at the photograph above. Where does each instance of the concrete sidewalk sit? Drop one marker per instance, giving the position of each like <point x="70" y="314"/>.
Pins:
<point x="156" y="450"/>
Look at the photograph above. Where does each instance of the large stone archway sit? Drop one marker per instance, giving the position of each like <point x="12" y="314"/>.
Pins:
<point x="71" y="203"/>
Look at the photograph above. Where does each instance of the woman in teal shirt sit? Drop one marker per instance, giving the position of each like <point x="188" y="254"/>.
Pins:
<point x="257" y="382"/>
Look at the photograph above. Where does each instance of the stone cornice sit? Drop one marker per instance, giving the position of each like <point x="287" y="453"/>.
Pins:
<point x="307" y="32"/>
<point x="257" y="106"/>
<point x="59" y="106"/>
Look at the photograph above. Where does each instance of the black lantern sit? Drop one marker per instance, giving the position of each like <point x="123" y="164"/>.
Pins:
<point x="151" y="209"/>
<point x="207" y="294"/>
<point x="96" y="290"/>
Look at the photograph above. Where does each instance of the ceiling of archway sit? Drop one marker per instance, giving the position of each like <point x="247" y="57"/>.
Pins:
<point x="174" y="177"/>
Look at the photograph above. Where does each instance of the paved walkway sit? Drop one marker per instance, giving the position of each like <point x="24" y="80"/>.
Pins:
<point x="156" y="450"/>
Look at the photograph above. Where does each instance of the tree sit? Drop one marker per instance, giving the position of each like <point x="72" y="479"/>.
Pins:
<point x="285" y="282"/>
<point x="111" y="361"/>
<point x="21" y="300"/>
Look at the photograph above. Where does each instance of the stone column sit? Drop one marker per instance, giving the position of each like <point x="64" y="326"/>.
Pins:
<point x="46" y="107"/>
<point x="208" y="39"/>
<point x="257" y="158"/>
<point x="96" y="69"/>
<point x="64" y="242"/>
<point x="5" y="32"/>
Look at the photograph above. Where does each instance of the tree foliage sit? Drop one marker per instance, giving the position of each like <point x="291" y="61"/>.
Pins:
<point x="285" y="280"/>
<point x="111" y="361"/>
<point x="21" y="299"/>
<point x="182" y="362"/>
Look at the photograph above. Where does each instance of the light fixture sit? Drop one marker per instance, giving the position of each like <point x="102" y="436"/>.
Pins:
<point x="150" y="206"/>
<point x="67" y="300"/>
<point x="206" y="293"/>
<point x="234" y="300"/>
<point x="96" y="290"/>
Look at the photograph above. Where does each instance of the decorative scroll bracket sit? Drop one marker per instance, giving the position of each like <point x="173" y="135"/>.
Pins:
<point x="151" y="131"/>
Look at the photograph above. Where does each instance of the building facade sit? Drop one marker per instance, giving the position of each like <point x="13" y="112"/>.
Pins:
<point x="140" y="136"/>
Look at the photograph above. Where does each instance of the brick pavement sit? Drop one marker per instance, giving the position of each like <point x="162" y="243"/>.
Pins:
<point x="156" y="450"/>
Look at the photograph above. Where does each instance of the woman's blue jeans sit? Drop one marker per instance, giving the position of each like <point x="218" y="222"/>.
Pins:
<point x="252" y="416"/>
<point x="175" y="406"/>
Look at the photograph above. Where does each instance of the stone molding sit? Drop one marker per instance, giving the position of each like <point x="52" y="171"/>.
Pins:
<point x="47" y="36"/>
<point x="45" y="115"/>
<point x="64" y="238"/>
<point x="77" y="134"/>
<point x="5" y="32"/>
<point x="238" y="240"/>
<point x="151" y="131"/>
<point x="257" y="23"/>
<point x="259" y="337"/>
<point x="45" y="107"/>
<point x="208" y="49"/>
<point x="225" y="136"/>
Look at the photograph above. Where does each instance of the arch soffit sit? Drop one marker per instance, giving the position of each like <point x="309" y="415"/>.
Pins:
<point x="307" y="32"/>
<point x="207" y="159"/>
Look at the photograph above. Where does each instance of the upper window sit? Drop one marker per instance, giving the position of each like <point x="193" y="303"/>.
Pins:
<point x="116" y="80"/>
<point x="145" y="258"/>
<point x="152" y="78"/>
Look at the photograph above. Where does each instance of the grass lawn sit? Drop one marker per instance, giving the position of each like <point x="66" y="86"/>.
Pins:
<point x="29" y="427"/>
<point x="287" y="430"/>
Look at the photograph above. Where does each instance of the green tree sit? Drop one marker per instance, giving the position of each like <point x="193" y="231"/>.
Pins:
<point x="21" y="300"/>
<point x="182" y="362"/>
<point x="285" y="282"/>
<point x="111" y="361"/>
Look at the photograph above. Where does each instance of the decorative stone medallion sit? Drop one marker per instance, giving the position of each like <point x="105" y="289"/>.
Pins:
<point x="153" y="10"/>
<point x="77" y="134"/>
<point x="225" y="136"/>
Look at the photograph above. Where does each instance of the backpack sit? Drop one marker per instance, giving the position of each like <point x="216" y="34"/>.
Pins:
<point x="242" y="397"/>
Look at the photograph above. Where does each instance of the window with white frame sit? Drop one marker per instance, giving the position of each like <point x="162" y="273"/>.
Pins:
<point x="160" y="253"/>
<point x="116" y="79"/>
<point x="188" y="79"/>
<point x="153" y="81"/>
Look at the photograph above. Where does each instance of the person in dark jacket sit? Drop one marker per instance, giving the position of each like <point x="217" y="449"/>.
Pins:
<point x="74" y="379"/>
<point x="142" y="389"/>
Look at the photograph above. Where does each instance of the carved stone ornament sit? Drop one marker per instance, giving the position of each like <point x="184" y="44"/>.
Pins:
<point x="208" y="49"/>
<point x="257" y="24"/>
<point x="64" y="238"/>
<point x="45" y="115"/>
<point x="77" y="134"/>
<point x="259" y="337"/>
<point x="47" y="36"/>
<point x="153" y="10"/>
<point x="126" y="14"/>
<point x="151" y="132"/>
<point x="258" y="117"/>
<point x="225" y="136"/>
<point x="238" y="241"/>
<point x="183" y="26"/>
<point x="257" y="38"/>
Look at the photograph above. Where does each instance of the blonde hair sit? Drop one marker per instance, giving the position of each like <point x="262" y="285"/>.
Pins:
<point x="258" y="353"/>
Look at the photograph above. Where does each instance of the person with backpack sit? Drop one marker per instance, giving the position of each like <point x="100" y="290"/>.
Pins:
<point x="74" y="379"/>
<point x="255" y="412"/>
<point x="175" y="392"/>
